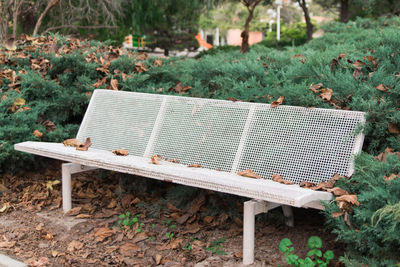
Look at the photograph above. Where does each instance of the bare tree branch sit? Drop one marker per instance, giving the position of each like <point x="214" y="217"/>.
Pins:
<point x="50" y="5"/>
<point x="80" y="27"/>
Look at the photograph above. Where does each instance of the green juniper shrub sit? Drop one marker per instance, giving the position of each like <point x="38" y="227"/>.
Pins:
<point x="372" y="232"/>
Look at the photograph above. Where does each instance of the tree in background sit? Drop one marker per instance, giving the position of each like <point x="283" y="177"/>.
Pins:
<point x="310" y="26"/>
<point x="349" y="9"/>
<point x="169" y="24"/>
<point x="250" y="5"/>
<point x="38" y="17"/>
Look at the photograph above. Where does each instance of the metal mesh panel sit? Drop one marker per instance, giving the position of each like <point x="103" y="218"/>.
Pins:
<point x="117" y="120"/>
<point x="206" y="132"/>
<point x="300" y="144"/>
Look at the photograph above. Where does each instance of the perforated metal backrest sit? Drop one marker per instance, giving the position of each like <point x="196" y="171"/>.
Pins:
<point x="300" y="144"/>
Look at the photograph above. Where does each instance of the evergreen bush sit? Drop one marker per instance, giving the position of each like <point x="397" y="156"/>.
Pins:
<point x="372" y="232"/>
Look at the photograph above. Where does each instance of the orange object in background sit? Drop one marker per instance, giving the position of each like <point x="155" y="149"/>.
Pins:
<point x="202" y="43"/>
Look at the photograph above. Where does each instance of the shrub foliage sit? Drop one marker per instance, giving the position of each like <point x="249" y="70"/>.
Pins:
<point x="46" y="84"/>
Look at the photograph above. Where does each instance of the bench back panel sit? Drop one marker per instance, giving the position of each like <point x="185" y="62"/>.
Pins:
<point x="114" y="121"/>
<point x="300" y="144"/>
<point x="201" y="131"/>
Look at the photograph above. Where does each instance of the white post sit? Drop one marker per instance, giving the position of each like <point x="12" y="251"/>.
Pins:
<point x="202" y="34"/>
<point x="248" y="232"/>
<point x="270" y="25"/>
<point x="288" y="213"/>
<point x="278" y="23"/>
<point x="66" y="186"/>
<point x="216" y="39"/>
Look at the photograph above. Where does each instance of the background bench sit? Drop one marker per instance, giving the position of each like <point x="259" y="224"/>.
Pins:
<point x="300" y="144"/>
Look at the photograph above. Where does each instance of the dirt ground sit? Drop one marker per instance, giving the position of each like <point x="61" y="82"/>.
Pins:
<point x="168" y="225"/>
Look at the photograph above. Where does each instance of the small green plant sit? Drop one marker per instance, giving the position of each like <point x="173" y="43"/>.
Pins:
<point x="314" y="255"/>
<point x="169" y="235"/>
<point x="188" y="245"/>
<point x="127" y="220"/>
<point x="150" y="238"/>
<point x="216" y="247"/>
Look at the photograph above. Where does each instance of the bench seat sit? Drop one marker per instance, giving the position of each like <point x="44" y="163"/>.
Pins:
<point x="261" y="189"/>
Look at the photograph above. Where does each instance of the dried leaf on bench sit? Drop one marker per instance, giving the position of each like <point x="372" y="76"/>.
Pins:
<point x="337" y="191"/>
<point x="155" y="159"/>
<point x="85" y="146"/>
<point x="279" y="179"/>
<point x="249" y="173"/>
<point x="277" y="102"/>
<point x="121" y="152"/>
<point x="72" y="142"/>
<point x="306" y="184"/>
<point x="194" y="165"/>
<point x="331" y="182"/>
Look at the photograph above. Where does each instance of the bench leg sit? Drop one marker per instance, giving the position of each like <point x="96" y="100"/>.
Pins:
<point x="248" y="231"/>
<point x="66" y="186"/>
<point x="67" y="169"/>
<point x="288" y="213"/>
<point x="251" y="209"/>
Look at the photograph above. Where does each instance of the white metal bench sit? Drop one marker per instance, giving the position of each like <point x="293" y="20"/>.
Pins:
<point x="300" y="144"/>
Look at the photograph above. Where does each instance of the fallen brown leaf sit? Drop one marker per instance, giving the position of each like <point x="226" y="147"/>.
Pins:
<point x="100" y="82"/>
<point x="337" y="214"/>
<point x="157" y="62"/>
<point x="140" y="67"/>
<point x="326" y="94"/>
<point x="121" y="152"/>
<point x="129" y="249"/>
<point x="37" y="133"/>
<point x="114" y="84"/>
<point x="316" y="87"/>
<point x="392" y="177"/>
<point x="382" y="88"/>
<point x="50" y="126"/>
<point x="158" y="259"/>
<point x="7" y="244"/>
<point x="249" y="173"/>
<point x="352" y="199"/>
<point x="72" y="142"/>
<point x="179" y="88"/>
<point x="102" y="233"/>
<point x="277" y="102"/>
<point x="194" y="165"/>
<point x="85" y="146"/>
<point x="306" y="184"/>
<point x="393" y="129"/>
<point x="155" y="159"/>
<point x="279" y="179"/>
<point x="74" y="245"/>
<point x="74" y="211"/>
<point x="337" y="191"/>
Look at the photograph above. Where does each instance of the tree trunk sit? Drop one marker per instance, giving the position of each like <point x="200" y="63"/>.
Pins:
<point x="50" y="5"/>
<point x="310" y="26"/>
<point x="344" y="10"/>
<point x="251" y="5"/>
